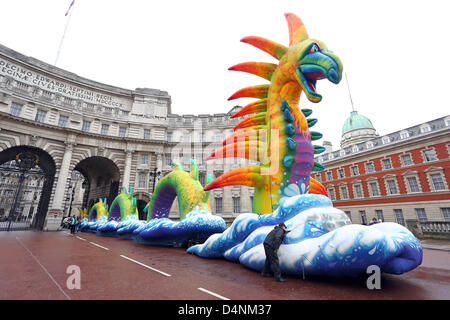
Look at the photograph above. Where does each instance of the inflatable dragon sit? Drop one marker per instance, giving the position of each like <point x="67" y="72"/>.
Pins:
<point x="99" y="210"/>
<point x="276" y="132"/>
<point x="183" y="185"/>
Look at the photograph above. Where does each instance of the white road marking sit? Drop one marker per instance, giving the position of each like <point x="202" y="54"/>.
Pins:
<point x="146" y="266"/>
<point x="48" y="273"/>
<point x="95" y="244"/>
<point x="81" y="238"/>
<point x="213" y="294"/>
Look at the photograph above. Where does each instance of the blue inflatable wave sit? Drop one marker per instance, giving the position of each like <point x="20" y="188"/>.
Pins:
<point x="198" y="225"/>
<point x="322" y="241"/>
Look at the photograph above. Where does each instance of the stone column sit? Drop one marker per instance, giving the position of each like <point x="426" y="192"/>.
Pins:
<point x="127" y="170"/>
<point x="159" y="162"/>
<point x="62" y="177"/>
<point x="53" y="223"/>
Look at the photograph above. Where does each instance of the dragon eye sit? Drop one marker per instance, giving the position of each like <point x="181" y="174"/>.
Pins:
<point x="314" y="48"/>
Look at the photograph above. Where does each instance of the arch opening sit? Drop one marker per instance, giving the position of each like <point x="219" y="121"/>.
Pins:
<point x="102" y="179"/>
<point x="26" y="182"/>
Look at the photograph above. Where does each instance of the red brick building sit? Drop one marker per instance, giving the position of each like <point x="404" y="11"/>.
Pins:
<point x="397" y="177"/>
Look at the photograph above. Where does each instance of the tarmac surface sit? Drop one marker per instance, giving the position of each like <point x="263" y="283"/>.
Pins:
<point x="33" y="265"/>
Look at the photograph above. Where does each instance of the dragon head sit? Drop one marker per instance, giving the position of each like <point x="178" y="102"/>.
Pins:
<point x="316" y="62"/>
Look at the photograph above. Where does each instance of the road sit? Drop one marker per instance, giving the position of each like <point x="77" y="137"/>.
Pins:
<point x="33" y="265"/>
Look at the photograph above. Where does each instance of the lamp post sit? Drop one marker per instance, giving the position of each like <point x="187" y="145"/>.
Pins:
<point x="25" y="161"/>
<point x="71" y="201"/>
<point x="155" y="174"/>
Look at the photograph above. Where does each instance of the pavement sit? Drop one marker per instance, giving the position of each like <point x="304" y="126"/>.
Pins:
<point x="436" y="244"/>
<point x="46" y="265"/>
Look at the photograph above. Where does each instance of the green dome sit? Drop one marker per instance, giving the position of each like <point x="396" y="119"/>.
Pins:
<point x="356" y="121"/>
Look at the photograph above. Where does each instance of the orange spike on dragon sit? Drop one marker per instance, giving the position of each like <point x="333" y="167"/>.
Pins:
<point x="276" y="132"/>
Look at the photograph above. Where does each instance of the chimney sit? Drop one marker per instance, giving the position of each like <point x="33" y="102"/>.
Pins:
<point x="328" y="146"/>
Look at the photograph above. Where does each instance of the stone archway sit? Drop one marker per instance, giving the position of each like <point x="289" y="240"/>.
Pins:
<point x="42" y="167"/>
<point x="142" y="198"/>
<point x="102" y="178"/>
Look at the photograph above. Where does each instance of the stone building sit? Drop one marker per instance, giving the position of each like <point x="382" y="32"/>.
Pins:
<point x="111" y="136"/>
<point x="396" y="177"/>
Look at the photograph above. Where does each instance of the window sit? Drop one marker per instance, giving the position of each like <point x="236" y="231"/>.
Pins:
<point x="379" y="214"/>
<point x="446" y="213"/>
<point x="362" y="214"/>
<point x="147" y="133"/>
<point x="421" y="214"/>
<point x="332" y="194"/>
<point x="237" y="205"/>
<point x="105" y="129"/>
<point x="349" y="215"/>
<point x="355" y="170"/>
<point x="344" y="192"/>
<point x="144" y="159"/>
<point x="122" y="132"/>
<point x="218" y="205"/>
<point x="342" y="153"/>
<point x="40" y="115"/>
<point x="62" y="122"/>
<point x="319" y="177"/>
<point x="374" y="189"/>
<point x="438" y="183"/>
<point x="430" y="155"/>
<point x="168" y="160"/>
<point x="186" y="160"/>
<point x="329" y="175"/>
<point x="425" y="128"/>
<point x="447" y="122"/>
<point x="369" y="167"/>
<point x="386" y="163"/>
<point x="202" y="179"/>
<point x="358" y="191"/>
<point x="406" y="159"/>
<point x="142" y="180"/>
<point x="391" y="186"/>
<point x="385" y="140"/>
<point x="199" y="159"/>
<point x="169" y="136"/>
<point x="404" y="134"/>
<point x="219" y="137"/>
<point x="412" y="184"/>
<point x="341" y="173"/>
<point x="16" y="109"/>
<point x="399" y="216"/>
<point x="370" y="145"/>
<point x="86" y="126"/>
<point x="355" y="149"/>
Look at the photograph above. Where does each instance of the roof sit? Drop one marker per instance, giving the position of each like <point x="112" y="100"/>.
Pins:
<point x="356" y="121"/>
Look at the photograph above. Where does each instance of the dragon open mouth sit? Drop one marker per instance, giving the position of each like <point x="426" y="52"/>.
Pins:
<point x="317" y="64"/>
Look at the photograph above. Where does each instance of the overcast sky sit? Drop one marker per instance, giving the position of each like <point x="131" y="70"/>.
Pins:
<point x="395" y="53"/>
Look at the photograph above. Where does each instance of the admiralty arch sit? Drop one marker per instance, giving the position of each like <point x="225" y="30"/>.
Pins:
<point x="64" y="137"/>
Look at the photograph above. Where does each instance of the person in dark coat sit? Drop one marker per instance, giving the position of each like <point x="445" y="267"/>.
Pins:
<point x="271" y="245"/>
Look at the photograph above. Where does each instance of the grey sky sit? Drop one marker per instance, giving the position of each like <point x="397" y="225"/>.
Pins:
<point x="394" y="52"/>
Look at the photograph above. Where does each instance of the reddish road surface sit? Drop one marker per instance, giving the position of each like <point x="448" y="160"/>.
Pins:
<point x="33" y="266"/>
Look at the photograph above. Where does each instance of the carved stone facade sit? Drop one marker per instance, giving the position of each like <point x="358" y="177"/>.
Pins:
<point x="113" y="136"/>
